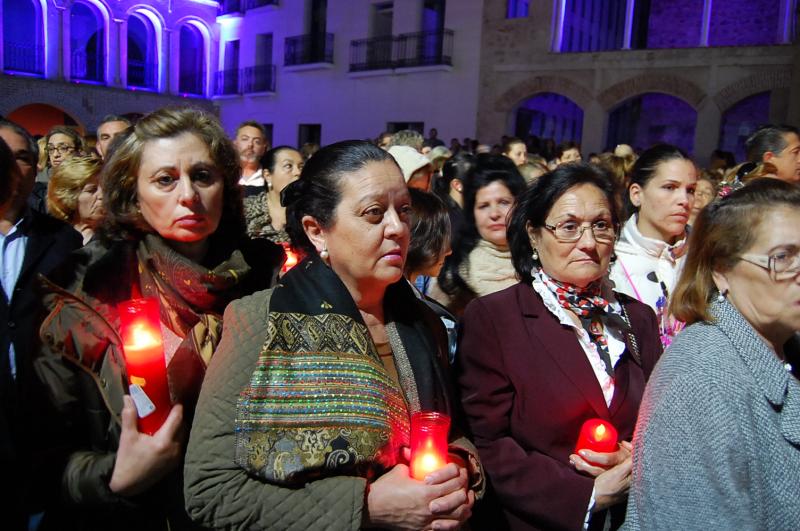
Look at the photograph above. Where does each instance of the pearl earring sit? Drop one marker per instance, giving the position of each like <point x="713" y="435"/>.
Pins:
<point x="535" y="255"/>
<point x="324" y="253"/>
<point x="721" y="295"/>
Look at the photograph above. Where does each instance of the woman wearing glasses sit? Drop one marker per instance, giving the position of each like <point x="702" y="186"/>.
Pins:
<point x="540" y="358"/>
<point x="61" y="143"/>
<point x="718" y="441"/>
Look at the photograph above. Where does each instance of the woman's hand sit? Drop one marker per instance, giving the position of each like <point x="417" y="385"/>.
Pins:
<point x="612" y="474"/>
<point x="442" y="501"/>
<point x="142" y="460"/>
<point x="600" y="462"/>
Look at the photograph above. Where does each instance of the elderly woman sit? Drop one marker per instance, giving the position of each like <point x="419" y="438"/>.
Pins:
<point x="304" y="415"/>
<point x="172" y="232"/>
<point x="717" y="444"/>
<point x="266" y="217"/>
<point x="652" y="245"/>
<point x="481" y="261"/>
<point x="74" y="195"/>
<point x="540" y="358"/>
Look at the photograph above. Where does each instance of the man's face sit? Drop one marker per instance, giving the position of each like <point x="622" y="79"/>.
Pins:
<point x="25" y="160"/>
<point x="788" y="160"/>
<point x="106" y="133"/>
<point x="250" y="144"/>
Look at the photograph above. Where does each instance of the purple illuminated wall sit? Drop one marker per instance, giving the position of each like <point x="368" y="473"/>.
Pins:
<point x="741" y="120"/>
<point x="593" y="25"/>
<point x="675" y="23"/>
<point x="744" y="23"/>
<point x="550" y="115"/>
<point x="650" y="119"/>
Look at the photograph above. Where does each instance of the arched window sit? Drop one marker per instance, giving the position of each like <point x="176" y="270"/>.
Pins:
<point x="652" y="118"/>
<point x="142" y="53"/>
<point x="192" y="63"/>
<point x="87" y="39"/>
<point x="549" y="115"/>
<point x="23" y="46"/>
<point x="741" y="120"/>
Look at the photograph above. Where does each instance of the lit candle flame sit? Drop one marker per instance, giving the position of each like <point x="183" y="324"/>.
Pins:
<point x="142" y="337"/>
<point x="600" y="431"/>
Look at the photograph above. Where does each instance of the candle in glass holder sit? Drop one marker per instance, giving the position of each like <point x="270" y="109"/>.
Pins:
<point x="597" y="435"/>
<point x="429" y="431"/>
<point x="142" y="344"/>
<point x="291" y="258"/>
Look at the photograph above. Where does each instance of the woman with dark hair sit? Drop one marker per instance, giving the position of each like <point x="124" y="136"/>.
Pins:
<point x="568" y="151"/>
<point x="304" y="414"/>
<point x="516" y="150"/>
<point x="450" y="189"/>
<point x="717" y="444"/>
<point x="652" y="244"/>
<point x="173" y="232"/>
<point x="265" y="216"/>
<point x="540" y="358"/>
<point x="61" y="143"/>
<point x="430" y="245"/>
<point x="481" y="262"/>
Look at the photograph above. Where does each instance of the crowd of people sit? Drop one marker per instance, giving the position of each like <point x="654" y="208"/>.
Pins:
<point x="313" y="301"/>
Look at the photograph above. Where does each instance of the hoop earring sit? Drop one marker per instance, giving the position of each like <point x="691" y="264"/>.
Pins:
<point x="613" y="257"/>
<point x="269" y="185"/>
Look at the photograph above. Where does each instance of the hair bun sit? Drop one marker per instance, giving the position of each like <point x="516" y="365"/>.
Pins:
<point x="293" y="192"/>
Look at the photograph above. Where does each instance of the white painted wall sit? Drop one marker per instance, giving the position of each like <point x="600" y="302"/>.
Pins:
<point x="356" y="106"/>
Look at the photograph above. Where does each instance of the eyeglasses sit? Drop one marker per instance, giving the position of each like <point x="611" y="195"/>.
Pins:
<point x="783" y="265"/>
<point x="61" y="148"/>
<point x="572" y="231"/>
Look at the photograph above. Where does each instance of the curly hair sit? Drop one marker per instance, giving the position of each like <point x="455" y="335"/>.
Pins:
<point x="66" y="183"/>
<point x="77" y="139"/>
<point x="119" y="177"/>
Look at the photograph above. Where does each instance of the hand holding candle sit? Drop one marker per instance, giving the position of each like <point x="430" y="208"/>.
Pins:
<point x="429" y="431"/>
<point x="140" y="330"/>
<point x="597" y="435"/>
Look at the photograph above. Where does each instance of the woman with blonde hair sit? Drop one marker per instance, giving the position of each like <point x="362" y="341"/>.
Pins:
<point x="74" y="195"/>
<point x="172" y="232"/>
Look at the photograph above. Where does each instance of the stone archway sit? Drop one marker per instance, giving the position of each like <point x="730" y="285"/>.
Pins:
<point x="71" y="102"/>
<point x="523" y="90"/>
<point x="665" y="84"/>
<point x="752" y="85"/>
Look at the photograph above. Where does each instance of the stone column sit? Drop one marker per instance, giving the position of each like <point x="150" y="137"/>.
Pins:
<point x="595" y="121"/>
<point x="118" y="62"/>
<point x="706" y="132"/>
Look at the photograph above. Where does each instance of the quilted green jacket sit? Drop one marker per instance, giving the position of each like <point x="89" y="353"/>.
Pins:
<point x="219" y="494"/>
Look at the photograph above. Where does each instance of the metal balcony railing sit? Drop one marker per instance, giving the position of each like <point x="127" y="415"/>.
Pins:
<point x="259" y="78"/>
<point x="423" y="48"/>
<point x="86" y="67"/>
<point x="226" y="82"/>
<point x="306" y="49"/>
<point x="142" y="75"/>
<point x="252" y="4"/>
<point x="20" y="57"/>
<point x="227" y="7"/>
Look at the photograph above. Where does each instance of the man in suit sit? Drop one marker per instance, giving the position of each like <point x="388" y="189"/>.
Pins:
<point x="31" y="243"/>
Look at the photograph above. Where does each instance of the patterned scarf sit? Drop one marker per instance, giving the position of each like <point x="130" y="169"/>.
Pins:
<point x="589" y="305"/>
<point x="320" y="402"/>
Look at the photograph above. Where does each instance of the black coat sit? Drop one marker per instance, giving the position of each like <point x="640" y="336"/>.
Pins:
<point x="24" y="415"/>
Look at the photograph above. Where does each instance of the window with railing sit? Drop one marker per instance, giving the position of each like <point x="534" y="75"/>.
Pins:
<point x="24" y="58"/>
<point x="308" y="49"/>
<point x="23" y="49"/>
<point x="424" y="48"/>
<point x="249" y="80"/>
<point x="227" y="7"/>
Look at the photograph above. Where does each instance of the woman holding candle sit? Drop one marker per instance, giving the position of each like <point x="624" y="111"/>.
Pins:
<point x="539" y="359"/>
<point x="307" y="405"/>
<point x="717" y="442"/>
<point x="652" y="244"/>
<point x="172" y="234"/>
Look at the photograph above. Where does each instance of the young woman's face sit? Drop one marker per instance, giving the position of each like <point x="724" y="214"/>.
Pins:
<point x="666" y="200"/>
<point x="492" y="205"/>
<point x="518" y="153"/>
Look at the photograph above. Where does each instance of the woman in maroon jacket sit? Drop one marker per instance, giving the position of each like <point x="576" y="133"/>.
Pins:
<point x="541" y="357"/>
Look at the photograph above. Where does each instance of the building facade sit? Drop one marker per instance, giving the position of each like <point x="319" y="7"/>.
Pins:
<point x="701" y="74"/>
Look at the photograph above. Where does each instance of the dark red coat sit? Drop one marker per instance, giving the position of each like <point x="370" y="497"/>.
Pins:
<point x="527" y="387"/>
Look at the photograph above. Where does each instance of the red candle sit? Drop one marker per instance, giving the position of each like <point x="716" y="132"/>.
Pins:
<point x="597" y="435"/>
<point x="291" y="258"/>
<point x="140" y="330"/>
<point x="428" y="442"/>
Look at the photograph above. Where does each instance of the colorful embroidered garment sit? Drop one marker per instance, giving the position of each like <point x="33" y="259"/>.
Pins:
<point x="589" y="305"/>
<point x="320" y="402"/>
